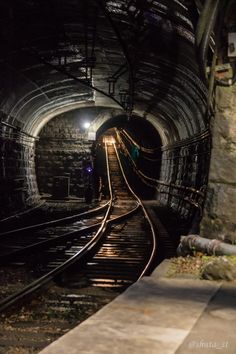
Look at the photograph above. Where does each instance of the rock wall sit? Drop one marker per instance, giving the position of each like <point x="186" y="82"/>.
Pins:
<point x="60" y="151"/>
<point x="219" y="219"/>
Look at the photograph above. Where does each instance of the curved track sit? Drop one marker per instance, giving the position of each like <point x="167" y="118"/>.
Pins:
<point x="128" y="246"/>
<point x="20" y="242"/>
<point x="116" y="251"/>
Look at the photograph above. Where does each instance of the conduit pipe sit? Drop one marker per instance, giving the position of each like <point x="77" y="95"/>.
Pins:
<point x="191" y="243"/>
<point x="203" y="20"/>
<point x="205" y="40"/>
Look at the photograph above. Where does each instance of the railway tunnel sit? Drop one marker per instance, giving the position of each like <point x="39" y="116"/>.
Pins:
<point x="152" y="70"/>
<point x="97" y="97"/>
<point x="144" y="67"/>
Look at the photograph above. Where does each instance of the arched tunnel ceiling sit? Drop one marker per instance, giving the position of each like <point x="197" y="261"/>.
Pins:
<point x="134" y="56"/>
<point x="102" y="119"/>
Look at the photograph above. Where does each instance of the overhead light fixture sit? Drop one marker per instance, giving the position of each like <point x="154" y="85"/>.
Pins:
<point x="86" y="125"/>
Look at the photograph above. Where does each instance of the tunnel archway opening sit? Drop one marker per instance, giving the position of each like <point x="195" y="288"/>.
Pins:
<point x="139" y="145"/>
<point x="65" y="147"/>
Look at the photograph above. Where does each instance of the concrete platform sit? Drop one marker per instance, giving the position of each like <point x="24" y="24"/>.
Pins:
<point x="158" y="315"/>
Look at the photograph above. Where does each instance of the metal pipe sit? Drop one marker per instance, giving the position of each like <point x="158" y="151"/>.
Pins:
<point x="203" y="19"/>
<point x="205" y="40"/>
<point x="205" y="245"/>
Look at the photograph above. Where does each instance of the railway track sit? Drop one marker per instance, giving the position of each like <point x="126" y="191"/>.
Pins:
<point x="20" y="242"/>
<point x="129" y="246"/>
<point x="107" y="256"/>
<point x="48" y="209"/>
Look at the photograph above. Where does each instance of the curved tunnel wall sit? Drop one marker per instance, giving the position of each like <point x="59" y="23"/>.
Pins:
<point x="161" y="78"/>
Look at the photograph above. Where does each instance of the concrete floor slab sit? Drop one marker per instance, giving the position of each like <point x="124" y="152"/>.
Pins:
<point x="215" y="330"/>
<point x="152" y="316"/>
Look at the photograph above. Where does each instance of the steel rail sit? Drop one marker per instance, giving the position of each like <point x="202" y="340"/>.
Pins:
<point x="15" y="216"/>
<point x="56" y="221"/>
<point x="40" y="282"/>
<point x="78" y="256"/>
<point x="41" y="244"/>
<point x="154" y="248"/>
<point x="37" y="284"/>
<point x="38" y="245"/>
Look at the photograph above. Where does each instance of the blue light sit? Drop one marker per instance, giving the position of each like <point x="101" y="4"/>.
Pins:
<point x="89" y="169"/>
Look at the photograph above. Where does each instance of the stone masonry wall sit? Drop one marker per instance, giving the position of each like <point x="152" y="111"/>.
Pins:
<point x="18" y="187"/>
<point x="220" y="210"/>
<point x="60" y="151"/>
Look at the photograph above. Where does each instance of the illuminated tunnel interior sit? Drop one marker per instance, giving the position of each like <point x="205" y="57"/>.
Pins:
<point x="132" y="66"/>
<point x="117" y="152"/>
<point x="62" y="148"/>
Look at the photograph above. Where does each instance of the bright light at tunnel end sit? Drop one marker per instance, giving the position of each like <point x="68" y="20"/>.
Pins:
<point x="109" y="140"/>
<point x="86" y="125"/>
